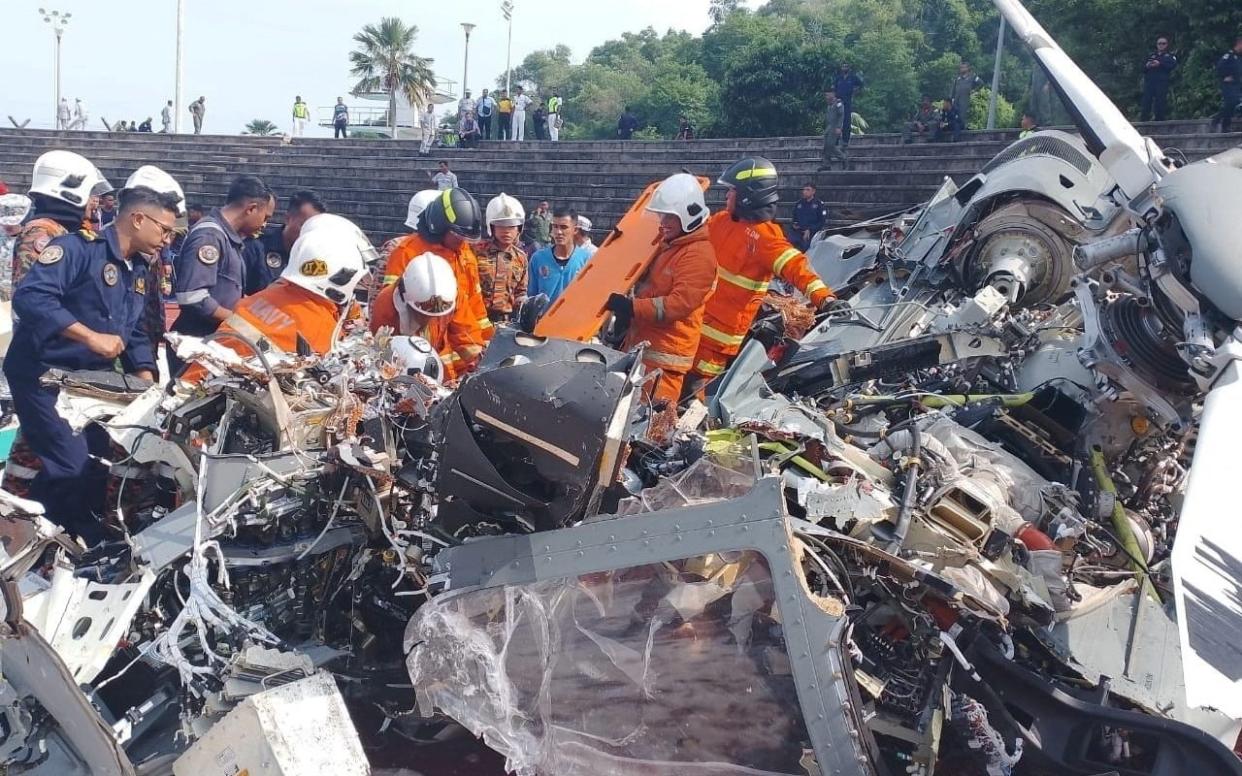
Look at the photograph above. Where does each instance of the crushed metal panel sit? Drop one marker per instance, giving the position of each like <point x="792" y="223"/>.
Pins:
<point x="1138" y="650"/>
<point x="580" y="587"/>
<point x="299" y="729"/>
<point x="1207" y="556"/>
<point x="535" y="434"/>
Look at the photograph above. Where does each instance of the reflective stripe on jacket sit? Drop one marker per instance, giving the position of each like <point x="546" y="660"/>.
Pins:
<point x="749" y="256"/>
<point x="669" y="302"/>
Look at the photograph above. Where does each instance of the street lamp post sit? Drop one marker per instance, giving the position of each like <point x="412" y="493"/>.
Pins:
<point x="506" y="8"/>
<point x="177" y="85"/>
<point x="996" y="73"/>
<point x="59" y="22"/>
<point x="465" y="68"/>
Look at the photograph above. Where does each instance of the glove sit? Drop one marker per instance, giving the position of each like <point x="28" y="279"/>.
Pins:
<point x="835" y="307"/>
<point x="621" y="306"/>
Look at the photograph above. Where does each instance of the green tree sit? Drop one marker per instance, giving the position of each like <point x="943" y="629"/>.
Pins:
<point x="261" y="127"/>
<point x="719" y="10"/>
<point x="385" y="62"/>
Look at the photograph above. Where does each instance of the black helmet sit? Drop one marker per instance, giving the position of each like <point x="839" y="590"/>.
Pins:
<point x="755" y="180"/>
<point x="453" y="211"/>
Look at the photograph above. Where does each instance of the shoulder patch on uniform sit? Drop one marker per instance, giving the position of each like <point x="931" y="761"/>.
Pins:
<point x="209" y="254"/>
<point x="140" y="285"/>
<point x="51" y="254"/>
<point x="111" y="275"/>
<point x="274" y="259"/>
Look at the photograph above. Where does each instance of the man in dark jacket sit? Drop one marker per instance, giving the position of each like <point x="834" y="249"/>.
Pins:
<point x="627" y="124"/>
<point x="1229" y="71"/>
<point x="1156" y="71"/>
<point x="847" y="84"/>
<point x="809" y="216"/>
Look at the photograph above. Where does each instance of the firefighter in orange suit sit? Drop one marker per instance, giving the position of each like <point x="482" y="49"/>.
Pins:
<point x="311" y="298"/>
<point x="751" y="249"/>
<point x="446" y="227"/>
<point x="666" y="310"/>
<point x="421" y="304"/>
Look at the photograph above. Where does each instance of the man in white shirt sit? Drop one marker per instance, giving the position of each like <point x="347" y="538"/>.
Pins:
<point x="465" y="105"/>
<point x="445" y="179"/>
<point x="166" y="118"/>
<point x="582" y="239"/>
<point x="63" y="116"/>
<point x="80" y="115"/>
<point x="429" y="128"/>
<point x="519" y="115"/>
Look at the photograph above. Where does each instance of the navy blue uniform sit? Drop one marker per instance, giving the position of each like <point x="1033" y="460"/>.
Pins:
<point x="1229" y="71"/>
<point x="265" y="258"/>
<point x="77" y="278"/>
<point x="1155" y="102"/>
<point x="845" y="86"/>
<point x="808" y="216"/>
<point x="209" y="273"/>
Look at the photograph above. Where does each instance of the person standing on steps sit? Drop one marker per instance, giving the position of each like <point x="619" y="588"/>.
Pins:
<point x="166" y="118"/>
<point x="627" y="124"/>
<point x="340" y="120"/>
<point x="1229" y="71"/>
<point x="504" y="113"/>
<point x="847" y="84"/>
<point x="301" y="115"/>
<point x="429" y="129"/>
<point x="810" y="215"/>
<point x="539" y="118"/>
<point x="198" y="109"/>
<point x="484" y="112"/>
<point x="80" y="116"/>
<point x="833" y="132"/>
<point x="1156" y="71"/>
<point x="520" y="103"/>
<point x="63" y="114"/>
<point x="465" y="105"/>
<point x="963" y="85"/>
<point x="555" y="106"/>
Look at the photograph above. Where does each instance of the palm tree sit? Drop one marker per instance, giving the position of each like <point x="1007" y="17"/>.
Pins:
<point x="261" y="127"/>
<point x="385" y="62"/>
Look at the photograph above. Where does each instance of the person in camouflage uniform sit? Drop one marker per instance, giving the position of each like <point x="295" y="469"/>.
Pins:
<point x="502" y="264"/>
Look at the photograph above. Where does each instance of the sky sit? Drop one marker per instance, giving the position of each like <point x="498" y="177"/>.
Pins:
<point x="250" y="58"/>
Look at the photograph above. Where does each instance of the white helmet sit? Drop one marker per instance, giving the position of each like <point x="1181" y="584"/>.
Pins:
<point x="13" y="209"/>
<point x="331" y="220"/>
<point x="414" y="355"/>
<point x="681" y="195"/>
<point x="584" y="224"/>
<point x="429" y="285"/>
<point x="504" y="210"/>
<point x="68" y="177"/>
<point x="157" y="180"/>
<point x="418" y="203"/>
<point x="326" y="261"/>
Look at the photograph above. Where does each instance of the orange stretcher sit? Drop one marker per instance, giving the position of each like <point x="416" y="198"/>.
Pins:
<point x="621" y="260"/>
